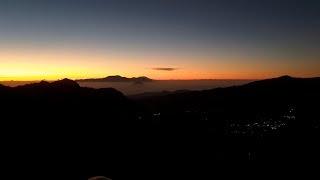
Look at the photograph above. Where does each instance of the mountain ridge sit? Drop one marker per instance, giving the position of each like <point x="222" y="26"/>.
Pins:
<point x="117" y="78"/>
<point x="281" y="81"/>
<point x="269" y="119"/>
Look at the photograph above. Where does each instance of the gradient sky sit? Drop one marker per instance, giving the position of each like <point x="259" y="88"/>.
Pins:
<point x="161" y="39"/>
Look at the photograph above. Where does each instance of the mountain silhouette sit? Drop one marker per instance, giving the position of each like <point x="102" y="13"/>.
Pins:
<point x="65" y="83"/>
<point x="118" y="78"/>
<point x="59" y="125"/>
<point x="64" y="95"/>
<point x="271" y="113"/>
<point x="285" y="87"/>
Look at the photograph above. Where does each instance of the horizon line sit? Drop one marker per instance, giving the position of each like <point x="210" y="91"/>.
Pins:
<point x="50" y="80"/>
<point x="201" y="79"/>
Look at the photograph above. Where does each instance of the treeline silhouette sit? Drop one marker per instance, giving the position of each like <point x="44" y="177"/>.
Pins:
<point x="61" y="128"/>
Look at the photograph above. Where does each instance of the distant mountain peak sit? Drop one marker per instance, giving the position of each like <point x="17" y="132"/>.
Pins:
<point x="118" y="78"/>
<point x="44" y="82"/>
<point x="285" y="77"/>
<point x="60" y="84"/>
<point x="65" y="83"/>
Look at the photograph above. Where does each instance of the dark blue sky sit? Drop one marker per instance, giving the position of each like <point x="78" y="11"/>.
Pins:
<point x="278" y="29"/>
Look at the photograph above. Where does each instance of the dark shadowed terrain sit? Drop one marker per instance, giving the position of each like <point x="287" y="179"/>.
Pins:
<point x="140" y="85"/>
<point x="130" y="87"/>
<point x="61" y="129"/>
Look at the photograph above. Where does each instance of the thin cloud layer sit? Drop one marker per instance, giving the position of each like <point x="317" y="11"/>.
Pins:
<point x="164" y="69"/>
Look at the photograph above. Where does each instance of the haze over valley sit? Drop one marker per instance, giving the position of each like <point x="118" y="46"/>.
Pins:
<point x="137" y="86"/>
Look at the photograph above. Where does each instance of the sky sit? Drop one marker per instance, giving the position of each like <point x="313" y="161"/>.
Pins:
<point x="161" y="39"/>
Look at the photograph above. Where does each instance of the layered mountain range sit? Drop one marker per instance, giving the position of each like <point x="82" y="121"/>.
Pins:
<point x="274" y="119"/>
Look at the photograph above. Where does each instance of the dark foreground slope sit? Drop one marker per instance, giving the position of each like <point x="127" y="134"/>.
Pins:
<point x="62" y="130"/>
<point x="275" y="119"/>
<point x="244" y="104"/>
<point x="56" y="128"/>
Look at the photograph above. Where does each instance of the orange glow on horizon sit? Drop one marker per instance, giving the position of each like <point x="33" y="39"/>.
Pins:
<point x="19" y="65"/>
